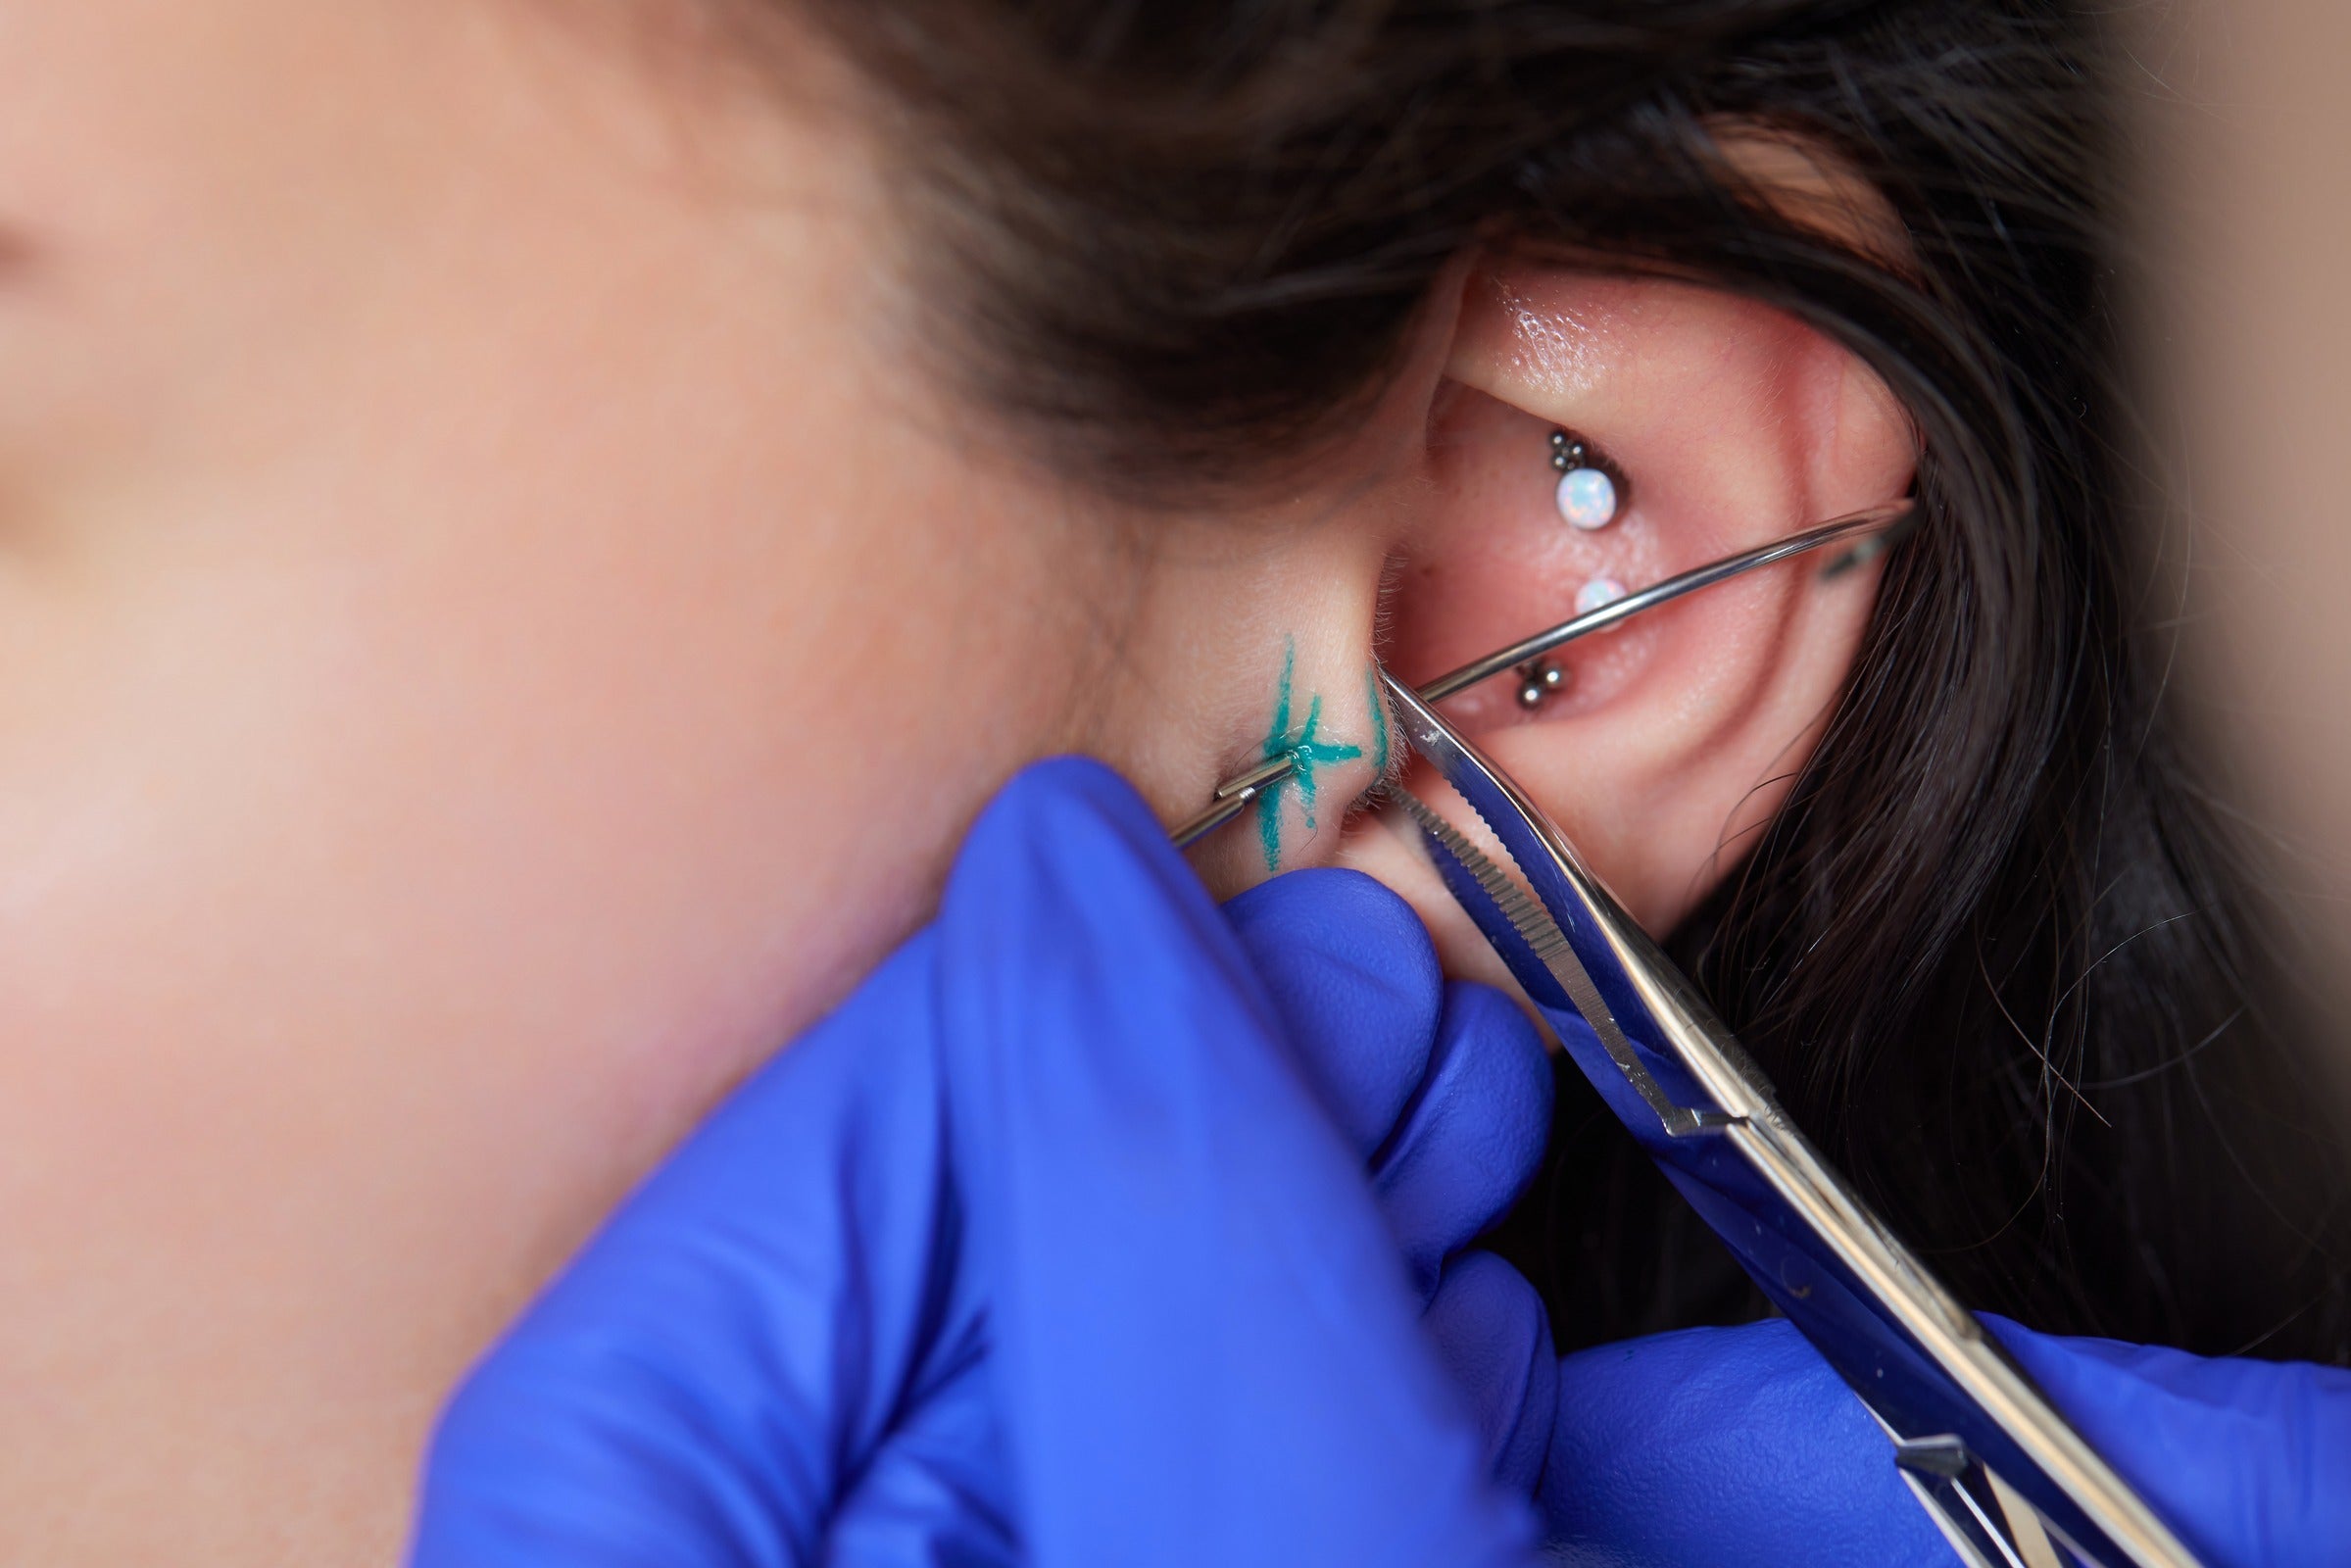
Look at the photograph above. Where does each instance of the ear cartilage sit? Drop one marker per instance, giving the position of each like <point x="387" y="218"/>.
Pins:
<point x="1599" y="593"/>
<point x="1539" y="680"/>
<point x="1895" y="519"/>
<point x="1587" y="495"/>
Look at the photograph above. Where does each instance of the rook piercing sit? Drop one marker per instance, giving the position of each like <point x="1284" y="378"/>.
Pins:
<point x="1539" y="680"/>
<point x="1587" y="495"/>
<point x="1586" y="500"/>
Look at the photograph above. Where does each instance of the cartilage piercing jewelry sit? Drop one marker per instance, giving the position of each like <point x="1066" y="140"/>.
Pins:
<point x="1542" y="678"/>
<point x="1586" y="498"/>
<point x="1539" y="680"/>
<point x="1599" y="593"/>
<point x="1587" y="495"/>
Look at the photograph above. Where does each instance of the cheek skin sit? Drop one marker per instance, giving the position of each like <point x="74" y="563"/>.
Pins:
<point x="493" y="641"/>
<point x="483" y="659"/>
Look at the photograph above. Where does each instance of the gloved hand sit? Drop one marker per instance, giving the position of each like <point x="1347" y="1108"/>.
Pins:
<point x="1052" y="1245"/>
<point x="2249" y="1460"/>
<point x="1740" y="1446"/>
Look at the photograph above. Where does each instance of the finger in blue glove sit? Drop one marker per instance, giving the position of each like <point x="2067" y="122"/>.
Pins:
<point x="1202" y="1339"/>
<point x="1039" y="1249"/>
<point x="2249" y="1461"/>
<point x="770" y="1355"/>
<point x="1737" y="1446"/>
<point x="1741" y="1446"/>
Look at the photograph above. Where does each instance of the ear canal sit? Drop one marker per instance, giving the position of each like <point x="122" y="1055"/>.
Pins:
<point x="1718" y="425"/>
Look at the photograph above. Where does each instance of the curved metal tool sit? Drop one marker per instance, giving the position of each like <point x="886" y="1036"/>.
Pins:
<point x="2009" y="1481"/>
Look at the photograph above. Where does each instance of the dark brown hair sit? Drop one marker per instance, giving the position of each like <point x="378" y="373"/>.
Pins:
<point x="1994" y="949"/>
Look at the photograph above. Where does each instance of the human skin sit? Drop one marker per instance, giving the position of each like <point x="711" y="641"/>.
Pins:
<point x="503" y="627"/>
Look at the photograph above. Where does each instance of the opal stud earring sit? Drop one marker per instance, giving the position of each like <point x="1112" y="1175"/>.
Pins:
<point x="1587" y="498"/>
<point x="1587" y="495"/>
<point x="1599" y="593"/>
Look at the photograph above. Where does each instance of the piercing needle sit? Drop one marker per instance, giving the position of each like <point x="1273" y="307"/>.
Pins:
<point x="1884" y="525"/>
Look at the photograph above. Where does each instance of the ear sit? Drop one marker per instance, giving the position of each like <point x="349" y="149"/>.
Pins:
<point x="1725" y="425"/>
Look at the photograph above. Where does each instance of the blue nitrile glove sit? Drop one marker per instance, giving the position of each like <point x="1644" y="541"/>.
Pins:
<point x="1051" y="1245"/>
<point x="1740" y="1446"/>
<point x="2249" y="1460"/>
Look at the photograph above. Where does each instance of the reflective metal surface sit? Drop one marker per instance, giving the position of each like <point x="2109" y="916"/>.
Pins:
<point x="2009" y="1481"/>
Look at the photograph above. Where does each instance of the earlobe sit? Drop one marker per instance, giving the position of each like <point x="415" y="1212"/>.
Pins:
<point x="1719" y="424"/>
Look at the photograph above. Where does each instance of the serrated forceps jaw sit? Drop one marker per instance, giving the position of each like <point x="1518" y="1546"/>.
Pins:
<point x="2005" y="1476"/>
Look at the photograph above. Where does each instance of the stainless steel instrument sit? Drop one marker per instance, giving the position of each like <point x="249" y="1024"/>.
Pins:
<point x="2009" y="1481"/>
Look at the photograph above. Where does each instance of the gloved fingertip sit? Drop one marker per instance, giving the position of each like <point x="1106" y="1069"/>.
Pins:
<point x="1725" y="1445"/>
<point x="1494" y="1339"/>
<point x="1472" y="1141"/>
<point x="1516" y="1066"/>
<point x="2244" y="1459"/>
<point x="1043" y="801"/>
<point x="1355" y="982"/>
<point x="1068" y="868"/>
<point x="1202" y="1347"/>
<point x="1350" y="921"/>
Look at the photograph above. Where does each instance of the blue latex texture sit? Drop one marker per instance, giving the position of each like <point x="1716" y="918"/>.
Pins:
<point x="1055" y="1244"/>
<point x="1740" y="1446"/>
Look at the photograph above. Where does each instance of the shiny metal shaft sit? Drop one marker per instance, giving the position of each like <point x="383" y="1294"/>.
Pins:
<point x="1234" y="795"/>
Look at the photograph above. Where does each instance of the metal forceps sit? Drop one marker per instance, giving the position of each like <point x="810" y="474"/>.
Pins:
<point x="2008" y="1480"/>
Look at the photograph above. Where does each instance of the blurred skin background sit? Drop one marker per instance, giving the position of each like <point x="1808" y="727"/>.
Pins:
<point x="2247" y="208"/>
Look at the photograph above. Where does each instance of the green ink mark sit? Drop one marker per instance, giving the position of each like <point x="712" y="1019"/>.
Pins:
<point x="1379" y="724"/>
<point x="1269" y="803"/>
<point x="1307" y="750"/>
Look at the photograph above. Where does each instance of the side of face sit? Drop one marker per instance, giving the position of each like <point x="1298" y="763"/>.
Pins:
<point x="492" y="647"/>
<point x="498" y="630"/>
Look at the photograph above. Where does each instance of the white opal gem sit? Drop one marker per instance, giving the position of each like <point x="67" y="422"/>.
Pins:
<point x="1588" y="498"/>
<point x="1599" y="593"/>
